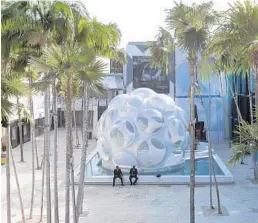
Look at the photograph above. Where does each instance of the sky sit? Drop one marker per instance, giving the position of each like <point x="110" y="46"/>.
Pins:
<point x="138" y="20"/>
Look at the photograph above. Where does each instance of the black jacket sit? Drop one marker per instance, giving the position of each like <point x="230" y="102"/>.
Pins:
<point x="118" y="172"/>
<point x="133" y="172"/>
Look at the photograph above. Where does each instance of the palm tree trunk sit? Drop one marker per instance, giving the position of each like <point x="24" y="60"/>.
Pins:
<point x="250" y="98"/>
<point x="36" y="152"/>
<point x="193" y="143"/>
<point x="75" y="126"/>
<point x="209" y="146"/>
<point x="208" y="118"/>
<point x="235" y="100"/>
<point x="69" y="149"/>
<point x="47" y="153"/>
<point x="56" y="208"/>
<point x="217" y="189"/>
<point x="18" y="188"/>
<point x="73" y="191"/>
<point x="83" y="152"/>
<point x="254" y="155"/>
<point x="32" y="137"/>
<point x="239" y="115"/>
<point x="222" y="91"/>
<point x="252" y="119"/>
<point x="211" y="166"/>
<point x="42" y="188"/>
<point x="8" y="175"/>
<point x="82" y="118"/>
<point x="20" y="131"/>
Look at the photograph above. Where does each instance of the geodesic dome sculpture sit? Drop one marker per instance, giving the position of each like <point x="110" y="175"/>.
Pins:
<point x="144" y="129"/>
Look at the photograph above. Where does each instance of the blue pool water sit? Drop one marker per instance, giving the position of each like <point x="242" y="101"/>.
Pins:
<point x="201" y="168"/>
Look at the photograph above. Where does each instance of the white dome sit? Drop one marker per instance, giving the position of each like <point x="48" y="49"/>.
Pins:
<point x="142" y="128"/>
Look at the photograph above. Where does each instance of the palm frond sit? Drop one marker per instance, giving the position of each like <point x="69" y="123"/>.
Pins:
<point x="25" y="113"/>
<point x="12" y="85"/>
<point x="7" y="108"/>
<point x="249" y="140"/>
<point x="191" y="24"/>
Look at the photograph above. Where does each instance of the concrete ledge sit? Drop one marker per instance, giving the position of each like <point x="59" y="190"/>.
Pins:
<point x="227" y="178"/>
<point x="153" y="180"/>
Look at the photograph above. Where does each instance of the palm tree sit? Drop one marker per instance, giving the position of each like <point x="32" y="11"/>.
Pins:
<point x="53" y="20"/>
<point x="8" y="175"/>
<point x="69" y="61"/>
<point x="241" y="18"/>
<point x="191" y="25"/>
<point x="20" y="131"/>
<point x="54" y="110"/>
<point x="103" y="41"/>
<point x="119" y="59"/>
<point x="39" y="19"/>
<point x="238" y="32"/>
<point x="47" y="150"/>
<point x="210" y="65"/>
<point x="11" y="86"/>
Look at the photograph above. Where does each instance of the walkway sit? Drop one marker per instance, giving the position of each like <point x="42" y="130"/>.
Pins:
<point x="170" y="204"/>
<point x="136" y="204"/>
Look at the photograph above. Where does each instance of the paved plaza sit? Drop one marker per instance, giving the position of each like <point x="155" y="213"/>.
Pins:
<point x="137" y="204"/>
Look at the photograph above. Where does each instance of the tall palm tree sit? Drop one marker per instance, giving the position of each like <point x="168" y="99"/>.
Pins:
<point x="241" y="18"/>
<point x="209" y="64"/>
<point x="52" y="19"/>
<point x="11" y="87"/>
<point x="191" y="25"/>
<point x="20" y="131"/>
<point x="238" y="32"/>
<point x="100" y="40"/>
<point x="69" y="61"/>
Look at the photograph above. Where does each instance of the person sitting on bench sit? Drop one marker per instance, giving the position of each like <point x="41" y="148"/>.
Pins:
<point x="118" y="174"/>
<point x="133" y="174"/>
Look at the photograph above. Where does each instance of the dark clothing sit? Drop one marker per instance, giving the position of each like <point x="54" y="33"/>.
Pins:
<point x="114" y="180"/>
<point x="135" y="181"/>
<point x="133" y="174"/>
<point x="118" y="174"/>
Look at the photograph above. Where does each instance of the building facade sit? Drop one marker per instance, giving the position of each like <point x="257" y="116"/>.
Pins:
<point x="137" y="73"/>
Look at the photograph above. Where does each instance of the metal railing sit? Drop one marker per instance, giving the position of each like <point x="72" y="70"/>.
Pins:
<point x="89" y="161"/>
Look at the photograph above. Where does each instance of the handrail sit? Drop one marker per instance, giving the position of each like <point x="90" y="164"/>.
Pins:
<point x="90" y="160"/>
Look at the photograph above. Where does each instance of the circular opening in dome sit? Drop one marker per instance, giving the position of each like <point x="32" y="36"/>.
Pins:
<point x="157" y="130"/>
<point x="143" y="148"/>
<point x="157" y="144"/>
<point x="130" y="127"/>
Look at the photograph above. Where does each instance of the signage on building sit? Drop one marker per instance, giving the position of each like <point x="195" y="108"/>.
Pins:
<point x="146" y="77"/>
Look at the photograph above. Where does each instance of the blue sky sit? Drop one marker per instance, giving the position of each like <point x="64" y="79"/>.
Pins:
<point x="137" y="19"/>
